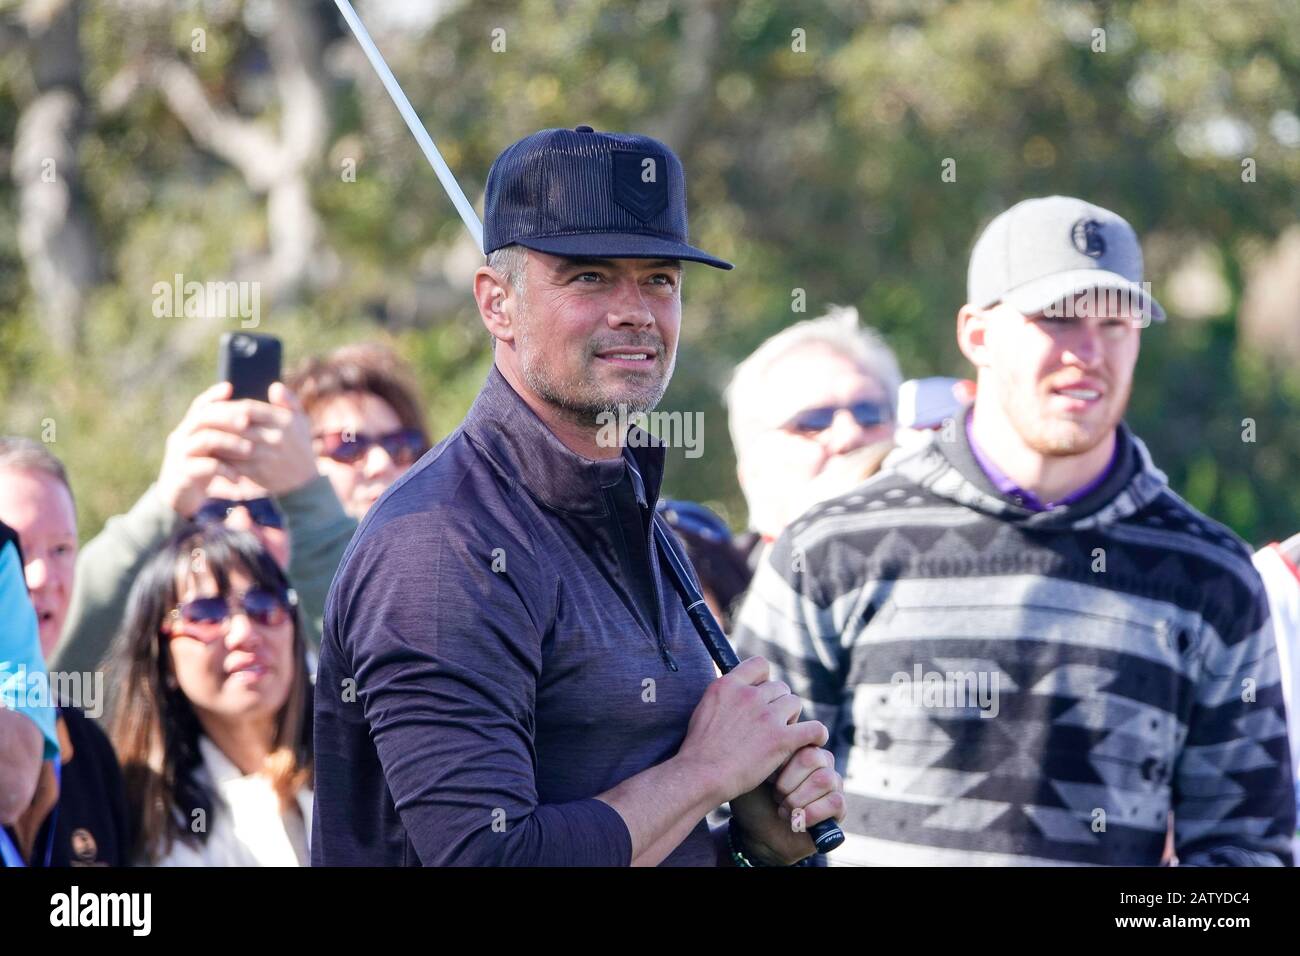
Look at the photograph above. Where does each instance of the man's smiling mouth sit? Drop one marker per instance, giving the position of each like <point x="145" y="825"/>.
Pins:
<point x="634" y="357"/>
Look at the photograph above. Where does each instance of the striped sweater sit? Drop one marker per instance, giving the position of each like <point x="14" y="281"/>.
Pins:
<point x="1009" y="687"/>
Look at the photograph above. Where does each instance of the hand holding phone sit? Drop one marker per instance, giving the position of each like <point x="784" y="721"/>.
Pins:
<point x="280" y="457"/>
<point x="250" y="363"/>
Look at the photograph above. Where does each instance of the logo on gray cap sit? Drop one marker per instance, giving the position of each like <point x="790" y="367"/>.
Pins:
<point x="1088" y="238"/>
<point x="1042" y="253"/>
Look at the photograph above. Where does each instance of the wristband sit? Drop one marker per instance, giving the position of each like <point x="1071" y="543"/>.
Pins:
<point x="733" y="845"/>
<point x="735" y="837"/>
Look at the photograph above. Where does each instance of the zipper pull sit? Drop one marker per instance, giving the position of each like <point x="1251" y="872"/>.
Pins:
<point x="667" y="655"/>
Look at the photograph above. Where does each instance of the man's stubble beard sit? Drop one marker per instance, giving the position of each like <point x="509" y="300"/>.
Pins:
<point x="578" y="398"/>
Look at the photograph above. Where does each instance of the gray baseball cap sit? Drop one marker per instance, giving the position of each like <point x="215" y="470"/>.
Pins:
<point x="1042" y="252"/>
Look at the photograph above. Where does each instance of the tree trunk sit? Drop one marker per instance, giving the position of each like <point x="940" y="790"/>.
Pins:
<point x="56" y="237"/>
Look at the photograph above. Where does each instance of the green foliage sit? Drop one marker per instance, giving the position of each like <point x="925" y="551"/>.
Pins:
<point x="817" y="170"/>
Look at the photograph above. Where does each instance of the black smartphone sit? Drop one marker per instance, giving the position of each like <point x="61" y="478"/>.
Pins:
<point x="250" y="363"/>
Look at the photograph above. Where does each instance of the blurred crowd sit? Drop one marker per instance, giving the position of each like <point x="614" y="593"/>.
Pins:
<point x="202" y="605"/>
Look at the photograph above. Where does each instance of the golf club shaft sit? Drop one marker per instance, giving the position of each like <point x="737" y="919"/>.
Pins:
<point x="445" y="176"/>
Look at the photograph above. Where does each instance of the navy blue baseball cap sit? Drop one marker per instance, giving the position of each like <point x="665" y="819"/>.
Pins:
<point x="577" y="192"/>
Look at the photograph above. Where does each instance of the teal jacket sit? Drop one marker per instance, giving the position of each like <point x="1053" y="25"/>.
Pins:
<point x="23" y="685"/>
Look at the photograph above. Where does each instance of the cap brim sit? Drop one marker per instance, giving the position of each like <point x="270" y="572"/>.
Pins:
<point x="1037" y="295"/>
<point x="621" y="245"/>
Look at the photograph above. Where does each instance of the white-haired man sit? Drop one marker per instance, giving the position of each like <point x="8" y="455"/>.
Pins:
<point x="803" y="410"/>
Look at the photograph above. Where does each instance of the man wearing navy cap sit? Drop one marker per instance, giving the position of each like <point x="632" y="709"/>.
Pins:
<point x="506" y="675"/>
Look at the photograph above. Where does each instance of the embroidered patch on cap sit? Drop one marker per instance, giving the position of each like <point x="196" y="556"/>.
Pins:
<point x="640" y="182"/>
<point x="1088" y="239"/>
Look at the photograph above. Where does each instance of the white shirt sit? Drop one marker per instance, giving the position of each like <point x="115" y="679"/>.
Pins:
<point x="1282" y="582"/>
<point x="246" y="827"/>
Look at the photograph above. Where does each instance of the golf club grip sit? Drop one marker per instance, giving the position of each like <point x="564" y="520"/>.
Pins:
<point x="827" y="834"/>
<point x="718" y="646"/>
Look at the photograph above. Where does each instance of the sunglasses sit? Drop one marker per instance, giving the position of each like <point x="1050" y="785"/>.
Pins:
<point x="810" y="421"/>
<point x="262" y="511"/>
<point x="207" y="619"/>
<point x="404" y="446"/>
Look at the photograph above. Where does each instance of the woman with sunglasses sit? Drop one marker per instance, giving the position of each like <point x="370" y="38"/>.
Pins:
<point x="247" y="463"/>
<point x="213" y="723"/>
<point x="346" y="427"/>
<point x="367" y="422"/>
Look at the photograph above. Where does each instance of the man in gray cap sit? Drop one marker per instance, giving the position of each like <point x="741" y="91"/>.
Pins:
<point x="507" y="675"/>
<point x="1028" y="649"/>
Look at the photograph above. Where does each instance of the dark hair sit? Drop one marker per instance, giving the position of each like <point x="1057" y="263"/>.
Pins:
<point x="154" y="728"/>
<point x="363" y="367"/>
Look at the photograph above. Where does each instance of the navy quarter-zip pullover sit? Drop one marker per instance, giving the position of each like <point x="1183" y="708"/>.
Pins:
<point x="500" y="646"/>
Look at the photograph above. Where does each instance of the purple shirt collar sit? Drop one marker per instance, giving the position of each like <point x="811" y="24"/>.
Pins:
<point x="1004" y="483"/>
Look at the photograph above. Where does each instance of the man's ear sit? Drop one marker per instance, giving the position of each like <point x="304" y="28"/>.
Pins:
<point x="496" y="300"/>
<point x="972" y="326"/>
